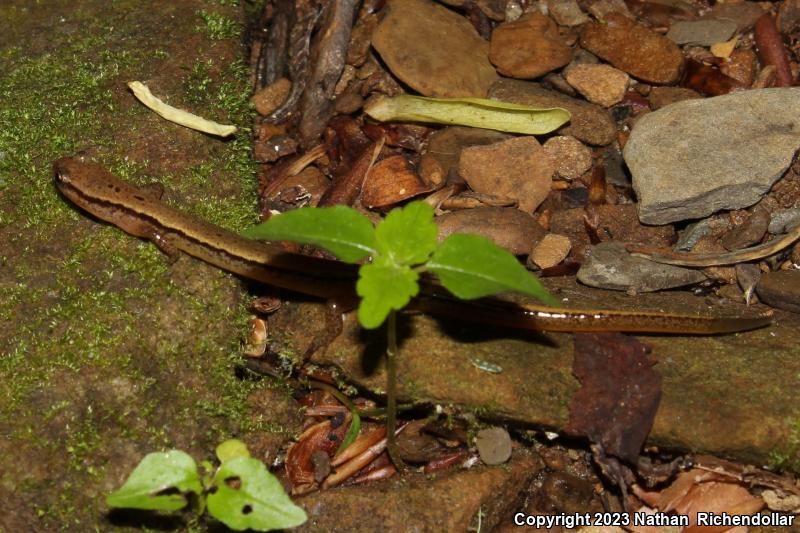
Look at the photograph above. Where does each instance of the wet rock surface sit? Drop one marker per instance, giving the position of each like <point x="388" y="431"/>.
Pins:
<point x="701" y="408"/>
<point x="434" y="50"/>
<point x="693" y="158"/>
<point x="634" y="49"/>
<point x="610" y="266"/>
<point x="590" y="123"/>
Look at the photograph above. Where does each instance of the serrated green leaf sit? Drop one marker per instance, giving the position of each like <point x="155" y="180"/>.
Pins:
<point x="383" y="286"/>
<point x="408" y="234"/>
<point x="156" y="473"/>
<point x="475" y="112"/>
<point x="471" y="267"/>
<point x="248" y="496"/>
<point x="341" y="230"/>
<point x="231" y="449"/>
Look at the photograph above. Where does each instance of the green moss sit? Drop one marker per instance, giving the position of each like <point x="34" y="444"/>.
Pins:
<point x="787" y="457"/>
<point x="106" y="353"/>
<point x="218" y="27"/>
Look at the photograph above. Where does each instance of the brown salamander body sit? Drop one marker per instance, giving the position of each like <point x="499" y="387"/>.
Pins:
<point x="143" y="214"/>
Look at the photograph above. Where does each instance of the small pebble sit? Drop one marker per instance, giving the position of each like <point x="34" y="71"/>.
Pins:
<point x="272" y="96"/>
<point x="701" y="32"/>
<point x="551" y="250"/>
<point x="517" y="168"/>
<point x="781" y="289"/>
<point x="528" y="47"/>
<point x="567" y="12"/>
<point x="635" y="49"/>
<point x="571" y="157"/>
<point x="600" y="84"/>
<point x="494" y="445"/>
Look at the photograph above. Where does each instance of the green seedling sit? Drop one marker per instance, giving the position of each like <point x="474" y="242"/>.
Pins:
<point x="241" y="493"/>
<point x="401" y="247"/>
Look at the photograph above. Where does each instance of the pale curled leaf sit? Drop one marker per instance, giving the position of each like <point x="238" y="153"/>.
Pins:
<point x="341" y="230"/>
<point x="471" y="267"/>
<point x="475" y="112"/>
<point x="178" y="116"/>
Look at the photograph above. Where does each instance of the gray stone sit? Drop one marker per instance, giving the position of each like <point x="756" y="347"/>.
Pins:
<point x="696" y="157"/>
<point x="783" y="220"/>
<point x="610" y="266"/>
<point x="701" y="32"/>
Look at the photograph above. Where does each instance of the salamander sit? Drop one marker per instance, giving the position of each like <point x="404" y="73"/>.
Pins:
<point x="140" y="212"/>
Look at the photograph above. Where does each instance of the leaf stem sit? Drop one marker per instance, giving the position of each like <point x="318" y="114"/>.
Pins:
<point x="391" y="391"/>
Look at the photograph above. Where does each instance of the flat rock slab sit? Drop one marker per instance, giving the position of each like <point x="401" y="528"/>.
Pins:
<point x="434" y="50"/>
<point x="730" y="395"/>
<point x="696" y="157"/>
<point x="448" y="502"/>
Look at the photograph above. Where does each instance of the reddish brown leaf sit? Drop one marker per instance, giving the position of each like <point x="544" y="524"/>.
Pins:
<point x="619" y="393"/>
<point x="708" y="80"/>
<point x="391" y="181"/>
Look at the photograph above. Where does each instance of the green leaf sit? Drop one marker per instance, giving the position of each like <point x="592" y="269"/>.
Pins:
<point x="231" y="449"/>
<point x="475" y="112"/>
<point x="341" y="230"/>
<point x="247" y="496"/>
<point x="408" y="234"/>
<point x="471" y="266"/>
<point x="352" y="432"/>
<point x="383" y="286"/>
<point x="156" y="473"/>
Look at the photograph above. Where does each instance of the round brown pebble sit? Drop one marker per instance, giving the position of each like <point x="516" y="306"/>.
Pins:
<point x="571" y="157"/>
<point x="272" y="96"/>
<point x="494" y="445"/>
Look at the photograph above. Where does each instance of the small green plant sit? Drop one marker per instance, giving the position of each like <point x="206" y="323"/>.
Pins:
<point x="218" y="27"/>
<point x="241" y="493"/>
<point x="401" y="247"/>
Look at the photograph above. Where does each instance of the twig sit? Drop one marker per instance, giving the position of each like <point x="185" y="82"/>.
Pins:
<point x="771" y="50"/>
<point x="713" y="259"/>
